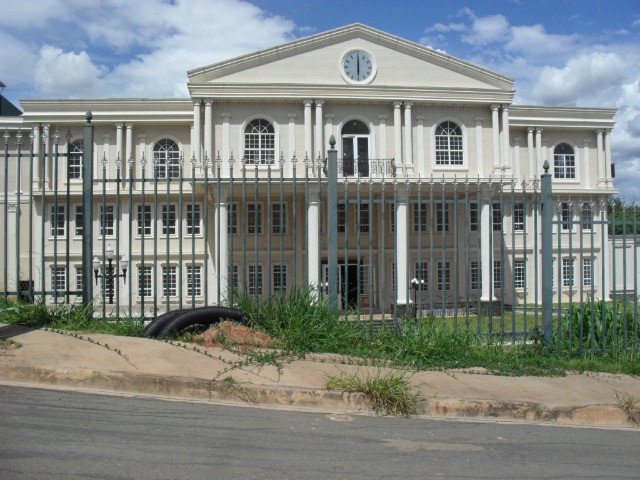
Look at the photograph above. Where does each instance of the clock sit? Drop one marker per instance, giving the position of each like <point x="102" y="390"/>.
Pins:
<point x="358" y="66"/>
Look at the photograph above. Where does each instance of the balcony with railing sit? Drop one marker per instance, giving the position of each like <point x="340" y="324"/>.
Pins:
<point x="367" y="167"/>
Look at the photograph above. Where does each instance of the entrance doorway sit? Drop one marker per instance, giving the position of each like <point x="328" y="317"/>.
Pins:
<point x="355" y="149"/>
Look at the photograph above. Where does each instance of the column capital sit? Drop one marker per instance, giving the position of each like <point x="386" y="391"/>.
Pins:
<point x="226" y="115"/>
<point x="319" y="102"/>
<point x="420" y="118"/>
<point x="539" y="129"/>
<point x="408" y="104"/>
<point x="307" y="102"/>
<point x="530" y="129"/>
<point x="119" y="125"/>
<point x="196" y="102"/>
<point x="330" y="116"/>
<point x="505" y="107"/>
<point x="129" y="125"/>
<point x="208" y="101"/>
<point x="292" y="115"/>
<point x="397" y="104"/>
<point x="479" y="120"/>
<point x="495" y="107"/>
<point x="382" y="117"/>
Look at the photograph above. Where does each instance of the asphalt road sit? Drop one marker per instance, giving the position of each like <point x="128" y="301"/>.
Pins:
<point x="47" y="434"/>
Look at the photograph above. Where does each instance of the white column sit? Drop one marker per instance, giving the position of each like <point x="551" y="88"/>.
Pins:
<point x="539" y="153"/>
<point x="46" y="149"/>
<point x="11" y="263"/>
<point x="422" y="168"/>
<point x="531" y="156"/>
<point x="123" y="245"/>
<point x="120" y="151"/>
<point x="313" y="247"/>
<point x="587" y="163"/>
<point x="37" y="160"/>
<point x="506" y="144"/>
<point x="382" y="135"/>
<point x="600" y="156"/>
<point x="226" y="150"/>
<point x="308" y="147"/>
<point x="197" y="128"/>
<point x="402" y="248"/>
<point x="606" y="260"/>
<point x="319" y="141"/>
<point x="397" y="133"/>
<point x="222" y="249"/>
<point x="486" y="231"/>
<point x="607" y="156"/>
<point x="408" y="137"/>
<point x="328" y="131"/>
<point x="292" y="141"/>
<point x="479" y="147"/>
<point x="516" y="158"/>
<point x="208" y="130"/>
<point x="495" y="128"/>
<point x="106" y="145"/>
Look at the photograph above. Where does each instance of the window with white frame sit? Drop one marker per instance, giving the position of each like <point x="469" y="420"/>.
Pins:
<point x="449" y="144"/>
<point x="170" y="281"/>
<point x="566" y="214"/>
<point x="254" y="218"/>
<point x="279" y="273"/>
<point x="342" y="218"/>
<point x="255" y="279"/>
<point x="194" y="280"/>
<point x="76" y="150"/>
<point x="567" y="272"/>
<point x="232" y="219"/>
<point x="586" y="216"/>
<point x="107" y="220"/>
<point x="193" y="219"/>
<point x="144" y="226"/>
<point x="444" y="276"/>
<point x="564" y="162"/>
<point x="168" y="219"/>
<point x="278" y="218"/>
<point x="442" y="218"/>
<point x="259" y="142"/>
<point x="79" y="221"/>
<point x="58" y="280"/>
<point x="419" y="217"/>
<point x="422" y="274"/>
<point x="232" y="278"/>
<point x="518" y="217"/>
<point x="587" y="272"/>
<point x="79" y="280"/>
<point x="166" y="159"/>
<point x="475" y="276"/>
<point x="57" y="221"/>
<point x="496" y="217"/>
<point x="145" y="281"/>
<point x="363" y="217"/>
<point x="497" y="275"/>
<point x="473" y="217"/>
<point x="519" y="274"/>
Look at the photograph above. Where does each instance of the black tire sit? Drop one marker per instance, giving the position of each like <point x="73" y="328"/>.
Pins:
<point x="200" y="316"/>
<point x="152" y="330"/>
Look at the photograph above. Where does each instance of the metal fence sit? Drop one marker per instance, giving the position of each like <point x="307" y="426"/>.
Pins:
<point x="488" y="255"/>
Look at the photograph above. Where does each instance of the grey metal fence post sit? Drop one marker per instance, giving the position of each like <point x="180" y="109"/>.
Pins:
<point x="332" y="223"/>
<point x="547" y="254"/>
<point x="87" y="212"/>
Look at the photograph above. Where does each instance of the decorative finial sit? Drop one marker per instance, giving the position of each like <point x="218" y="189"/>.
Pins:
<point x="545" y="166"/>
<point x="332" y="141"/>
<point x="89" y="116"/>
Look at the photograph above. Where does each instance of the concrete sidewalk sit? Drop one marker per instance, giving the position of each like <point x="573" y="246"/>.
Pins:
<point x="140" y="366"/>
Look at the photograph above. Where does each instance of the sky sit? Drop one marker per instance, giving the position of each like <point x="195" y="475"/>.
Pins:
<point x="561" y="52"/>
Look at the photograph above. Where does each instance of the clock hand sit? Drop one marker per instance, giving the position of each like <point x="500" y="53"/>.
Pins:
<point x="358" y="67"/>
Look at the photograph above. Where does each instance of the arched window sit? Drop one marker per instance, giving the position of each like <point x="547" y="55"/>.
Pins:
<point x="259" y="142"/>
<point x="166" y="159"/>
<point x="355" y="148"/>
<point x="449" y="144"/>
<point x="76" y="150"/>
<point x="564" y="162"/>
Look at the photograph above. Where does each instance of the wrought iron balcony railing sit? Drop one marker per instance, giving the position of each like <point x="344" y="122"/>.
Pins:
<point x="368" y="167"/>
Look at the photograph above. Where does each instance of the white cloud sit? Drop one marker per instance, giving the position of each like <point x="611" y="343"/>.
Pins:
<point x="533" y="41"/>
<point x="71" y="72"/>
<point x="486" y="30"/>
<point x="449" y="27"/>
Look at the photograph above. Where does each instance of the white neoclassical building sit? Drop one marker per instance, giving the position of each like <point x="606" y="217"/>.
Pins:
<point x="438" y="181"/>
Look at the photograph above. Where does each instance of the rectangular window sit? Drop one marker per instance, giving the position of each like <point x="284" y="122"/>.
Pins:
<point x="586" y="216"/>
<point x="420" y="217"/>
<point x="496" y="218"/>
<point x="59" y="280"/>
<point x="57" y="221"/>
<point x="587" y="272"/>
<point x="79" y="280"/>
<point x="255" y="279"/>
<point x="342" y="218"/>
<point x="168" y="219"/>
<point x="278" y="218"/>
<point x="444" y="277"/>
<point x="106" y="221"/>
<point x="363" y="218"/>
<point x="567" y="272"/>
<point x="232" y="219"/>
<point x="233" y="276"/>
<point x="519" y="275"/>
<point x="422" y="274"/>
<point x="145" y="279"/>
<point x="144" y="220"/>
<point x="79" y="220"/>
<point x="194" y="280"/>
<point x="193" y="219"/>
<point x="518" y="217"/>
<point x="475" y="276"/>
<point x="254" y="218"/>
<point x="566" y="213"/>
<point x="442" y="218"/>
<point x="169" y="281"/>
<point x="497" y="275"/>
<point x="279" y="279"/>
<point x="473" y="217"/>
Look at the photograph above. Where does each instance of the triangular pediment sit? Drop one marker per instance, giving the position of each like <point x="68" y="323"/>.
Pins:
<point x="315" y="61"/>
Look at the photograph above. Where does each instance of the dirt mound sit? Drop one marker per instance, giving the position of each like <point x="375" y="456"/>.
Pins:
<point x="227" y="332"/>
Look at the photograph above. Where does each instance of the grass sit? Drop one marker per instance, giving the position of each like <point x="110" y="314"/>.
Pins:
<point x="387" y="393"/>
<point x="9" y="344"/>
<point x="631" y="406"/>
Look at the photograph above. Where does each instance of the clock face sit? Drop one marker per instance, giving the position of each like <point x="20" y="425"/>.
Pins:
<point x="357" y="66"/>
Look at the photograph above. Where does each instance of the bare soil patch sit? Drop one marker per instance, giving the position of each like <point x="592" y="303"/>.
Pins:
<point x="232" y="333"/>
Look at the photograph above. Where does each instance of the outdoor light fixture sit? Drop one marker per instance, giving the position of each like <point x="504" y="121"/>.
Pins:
<point x="110" y="276"/>
<point x="416" y="284"/>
